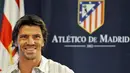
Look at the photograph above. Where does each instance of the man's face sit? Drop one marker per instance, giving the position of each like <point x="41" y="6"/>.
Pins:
<point x="30" y="41"/>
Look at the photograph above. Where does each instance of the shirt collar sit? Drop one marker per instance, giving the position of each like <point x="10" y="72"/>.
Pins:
<point x="42" y="67"/>
<point x="43" y="63"/>
<point x="14" y="68"/>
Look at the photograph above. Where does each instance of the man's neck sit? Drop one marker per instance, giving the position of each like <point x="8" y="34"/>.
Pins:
<point x="26" y="66"/>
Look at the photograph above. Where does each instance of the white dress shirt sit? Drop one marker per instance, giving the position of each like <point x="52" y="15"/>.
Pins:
<point x="46" y="66"/>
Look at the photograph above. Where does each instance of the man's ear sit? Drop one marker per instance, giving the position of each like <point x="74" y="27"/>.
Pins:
<point x="43" y="45"/>
<point x="15" y="44"/>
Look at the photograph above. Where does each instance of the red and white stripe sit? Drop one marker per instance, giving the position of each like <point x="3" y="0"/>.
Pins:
<point x="13" y="10"/>
<point x="94" y="20"/>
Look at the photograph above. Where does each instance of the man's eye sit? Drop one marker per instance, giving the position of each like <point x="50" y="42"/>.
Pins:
<point x="36" y="36"/>
<point x="23" y="36"/>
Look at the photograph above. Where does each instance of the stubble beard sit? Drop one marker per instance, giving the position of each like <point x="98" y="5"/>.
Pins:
<point x="29" y="56"/>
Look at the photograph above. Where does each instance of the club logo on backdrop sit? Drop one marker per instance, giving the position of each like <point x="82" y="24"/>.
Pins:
<point x="91" y="14"/>
<point x="90" y="18"/>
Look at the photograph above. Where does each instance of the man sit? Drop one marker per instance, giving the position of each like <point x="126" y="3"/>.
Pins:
<point x="29" y="37"/>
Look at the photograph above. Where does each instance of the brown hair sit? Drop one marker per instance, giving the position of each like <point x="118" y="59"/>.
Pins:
<point x="31" y="20"/>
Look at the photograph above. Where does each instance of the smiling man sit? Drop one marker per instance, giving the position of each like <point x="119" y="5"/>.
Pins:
<point x="29" y="37"/>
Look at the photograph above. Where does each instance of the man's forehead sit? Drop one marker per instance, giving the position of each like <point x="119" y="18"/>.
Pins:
<point x="29" y="25"/>
<point x="30" y="29"/>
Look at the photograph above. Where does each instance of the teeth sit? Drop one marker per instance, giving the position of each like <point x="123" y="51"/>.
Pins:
<point x="30" y="48"/>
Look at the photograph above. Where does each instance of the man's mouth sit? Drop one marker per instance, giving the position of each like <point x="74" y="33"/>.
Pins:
<point x="30" y="50"/>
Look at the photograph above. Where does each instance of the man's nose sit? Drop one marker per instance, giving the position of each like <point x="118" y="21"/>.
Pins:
<point x="30" y="41"/>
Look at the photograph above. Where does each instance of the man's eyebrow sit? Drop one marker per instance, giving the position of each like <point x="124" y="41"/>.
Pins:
<point x="22" y="34"/>
<point x="37" y="34"/>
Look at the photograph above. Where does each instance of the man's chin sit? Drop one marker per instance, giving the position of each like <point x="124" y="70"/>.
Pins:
<point x="30" y="57"/>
